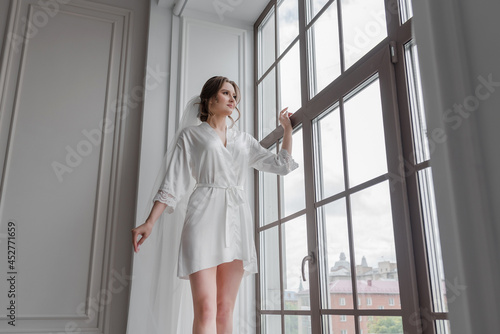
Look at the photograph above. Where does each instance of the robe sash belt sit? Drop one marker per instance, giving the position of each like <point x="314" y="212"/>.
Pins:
<point x="234" y="199"/>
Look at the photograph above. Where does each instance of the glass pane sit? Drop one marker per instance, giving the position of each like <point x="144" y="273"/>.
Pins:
<point x="314" y="6"/>
<point x="432" y="240"/>
<point x="267" y="105"/>
<point x="443" y="327"/>
<point x="271" y="324"/>
<point x="290" y="80"/>
<point x="295" y="324"/>
<point x="373" y="237"/>
<point x="267" y="48"/>
<point x="382" y="325"/>
<point x="365" y="135"/>
<point x="293" y="188"/>
<point x="328" y="152"/>
<point x="333" y="324"/>
<point x="288" y="23"/>
<point x="268" y="196"/>
<point x="270" y="269"/>
<point x="364" y="26"/>
<point x="336" y="285"/>
<point x="405" y="10"/>
<point x="417" y="111"/>
<point x="294" y="238"/>
<point x="324" y="50"/>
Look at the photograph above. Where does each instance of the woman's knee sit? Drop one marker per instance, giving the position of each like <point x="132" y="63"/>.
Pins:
<point x="203" y="286"/>
<point x="224" y="311"/>
<point x="205" y="311"/>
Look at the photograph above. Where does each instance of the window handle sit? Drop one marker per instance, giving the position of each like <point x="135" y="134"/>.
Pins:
<point x="309" y="258"/>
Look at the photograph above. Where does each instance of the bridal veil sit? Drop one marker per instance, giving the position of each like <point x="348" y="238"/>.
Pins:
<point x="160" y="302"/>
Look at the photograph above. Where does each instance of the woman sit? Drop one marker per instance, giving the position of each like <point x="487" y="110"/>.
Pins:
<point x="216" y="247"/>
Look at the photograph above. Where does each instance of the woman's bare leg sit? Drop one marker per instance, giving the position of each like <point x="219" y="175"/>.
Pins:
<point x="204" y="291"/>
<point x="229" y="277"/>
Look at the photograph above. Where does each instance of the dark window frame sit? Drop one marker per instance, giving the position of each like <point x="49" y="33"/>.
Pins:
<point x="416" y="290"/>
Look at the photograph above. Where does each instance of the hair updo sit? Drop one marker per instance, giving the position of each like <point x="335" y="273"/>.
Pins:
<point x="209" y="90"/>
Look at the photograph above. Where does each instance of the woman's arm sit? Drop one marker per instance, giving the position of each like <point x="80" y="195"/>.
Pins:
<point x="175" y="184"/>
<point x="266" y="160"/>
<point x="284" y="118"/>
<point x="156" y="211"/>
<point x="145" y="229"/>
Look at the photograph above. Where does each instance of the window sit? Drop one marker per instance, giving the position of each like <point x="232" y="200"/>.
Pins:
<point x="405" y="10"/>
<point x="363" y="27"/>
<point x="420" y="174"/>
<point x="288" y="23"/>
<point x="324" y="50"/>
<point x="442" y="327"/>
<point x="343" y="331"/>
<point x="358" y="121"/>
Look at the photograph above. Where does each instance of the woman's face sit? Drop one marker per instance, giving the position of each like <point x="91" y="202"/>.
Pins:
<point x="225" y="101"/>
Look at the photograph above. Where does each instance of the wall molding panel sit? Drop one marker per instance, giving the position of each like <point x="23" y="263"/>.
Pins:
<point x="219" y="44"/>
<point x="63" y="106"/>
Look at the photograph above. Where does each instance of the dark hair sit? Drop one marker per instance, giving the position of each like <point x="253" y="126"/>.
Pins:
<point x="209" y="90"/>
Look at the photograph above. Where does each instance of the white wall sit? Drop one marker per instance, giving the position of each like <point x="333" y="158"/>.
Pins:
<point x="82" y="62"/>
<point x="458" y="49"/>
<point x="209" y="49"/>
<point x="153" y="139"/>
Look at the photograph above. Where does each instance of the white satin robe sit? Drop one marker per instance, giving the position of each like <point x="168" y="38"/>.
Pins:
<point x="218" y="225"/>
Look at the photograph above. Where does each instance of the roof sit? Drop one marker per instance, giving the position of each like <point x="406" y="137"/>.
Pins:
<point x="377" y="287"/>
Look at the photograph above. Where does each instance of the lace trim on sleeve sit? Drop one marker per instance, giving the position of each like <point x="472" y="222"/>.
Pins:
<point x="287" y="159"/>
<point x="164" y="196"/>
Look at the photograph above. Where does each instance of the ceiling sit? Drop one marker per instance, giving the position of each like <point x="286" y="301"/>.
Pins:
<point x="244" y="11"/>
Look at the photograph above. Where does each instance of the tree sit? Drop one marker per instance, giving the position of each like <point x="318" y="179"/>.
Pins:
<point x="386" y="325"/>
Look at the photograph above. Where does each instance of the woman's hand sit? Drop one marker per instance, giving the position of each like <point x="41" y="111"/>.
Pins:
<point x="144" y="231"/>
<point x="284" y="118"/>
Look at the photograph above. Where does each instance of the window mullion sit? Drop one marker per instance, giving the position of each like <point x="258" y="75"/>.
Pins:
<point x="341" y="37"/>
<point x="350" y="232"/>
<point x="307" y="135"/>
<point x="304" y="70"/>
<point x="312" y="227"/>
